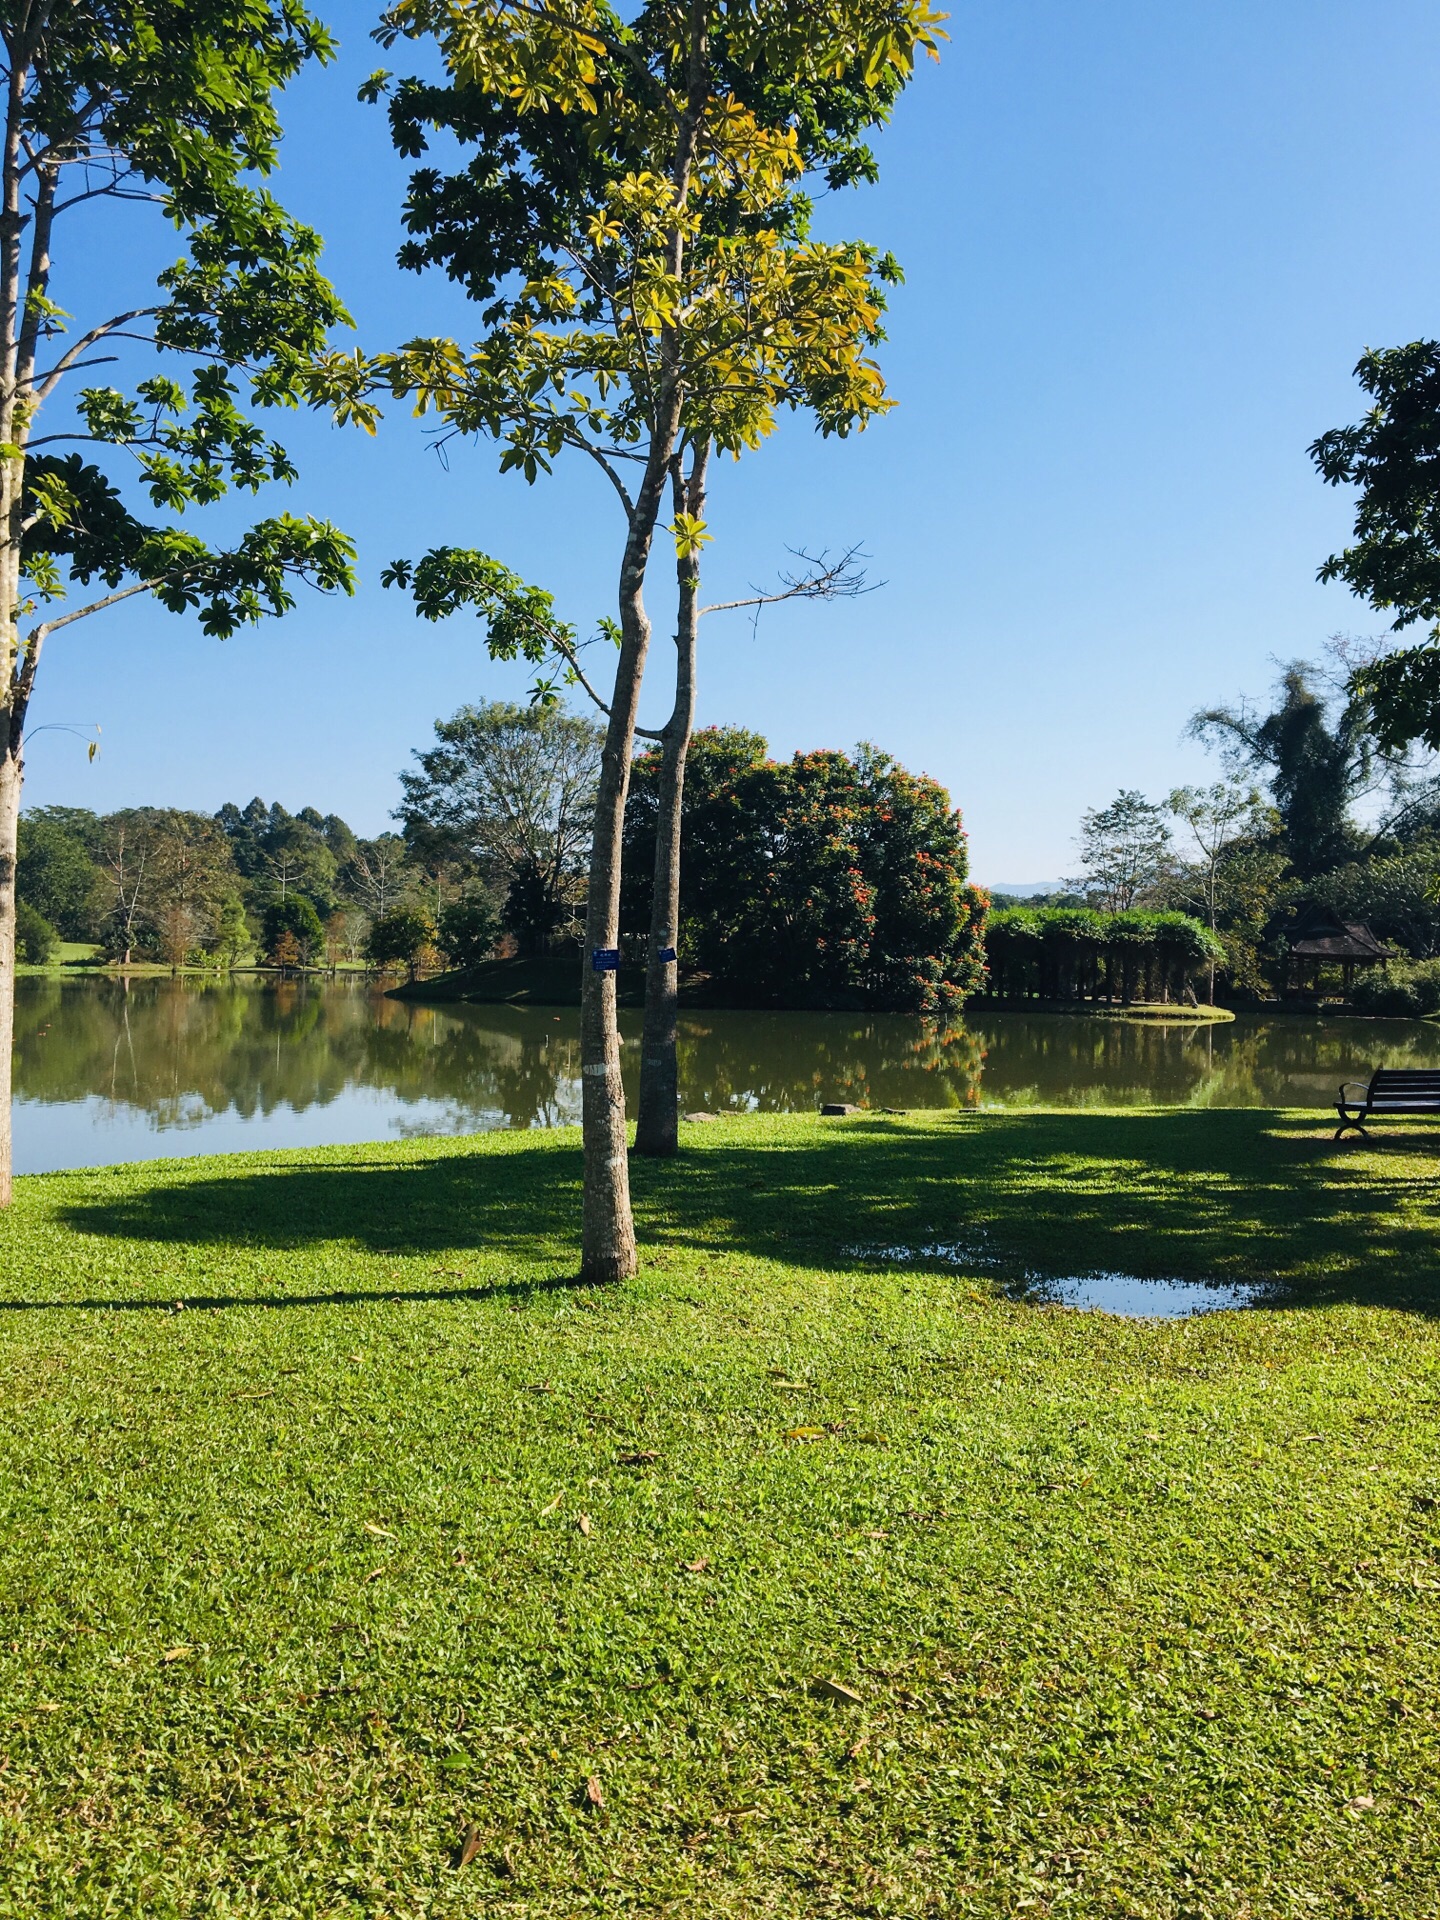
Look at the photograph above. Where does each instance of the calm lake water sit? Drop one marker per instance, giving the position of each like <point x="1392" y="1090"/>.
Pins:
<point x="108" y="1070"/>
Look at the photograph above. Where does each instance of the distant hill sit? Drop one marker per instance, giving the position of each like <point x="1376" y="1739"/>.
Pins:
<point x="1022" y="889"/>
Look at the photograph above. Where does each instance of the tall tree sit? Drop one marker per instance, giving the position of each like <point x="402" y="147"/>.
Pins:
<point x="635" y="222"/>
<point x="1124" y="851"/>
<point x="514" y="788"/>
<point x="1394" y="562"/>
<point x="1216" y="817"/>
<point x="1317" y="762"/>
<point x="148" y="102"/>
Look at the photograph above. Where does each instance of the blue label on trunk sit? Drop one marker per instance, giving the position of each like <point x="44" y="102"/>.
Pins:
<point x="667" y="953"/>
<point x="605" y="959"/>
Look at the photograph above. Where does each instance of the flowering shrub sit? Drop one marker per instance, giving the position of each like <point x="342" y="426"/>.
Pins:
<point x="829" y="880"/>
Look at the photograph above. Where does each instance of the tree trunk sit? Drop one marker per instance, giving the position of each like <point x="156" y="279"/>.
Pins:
<point x="607" y="1242"/>
<point x="657" y="1131"/>
<point x="607" y="1248"/>
<point x="9" y="830"/>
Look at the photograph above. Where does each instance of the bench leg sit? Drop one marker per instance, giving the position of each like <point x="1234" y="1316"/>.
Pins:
<point x="1349" y="1126"/>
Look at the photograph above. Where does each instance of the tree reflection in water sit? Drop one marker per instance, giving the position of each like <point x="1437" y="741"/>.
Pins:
<point x="173" y="1055"/>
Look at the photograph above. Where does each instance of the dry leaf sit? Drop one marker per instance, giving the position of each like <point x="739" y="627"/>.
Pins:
<point x="702" y="1565"/>
<point x="584" y="1524"/>
<point x="806" y="1433"/>
<point x="384" y="1532"/>
<point x="553" y="1505"/>
<point x="592" y="1791"/>
<point x="1362" y="1803"/>
<point x="642" y="1459"/>
<point x="372" y="1576"/>
<point x="835" y="1690"/>
<point x="175" y="1653"/>
<point x="470" y="1845"/>
<point x="539" y="1386"/>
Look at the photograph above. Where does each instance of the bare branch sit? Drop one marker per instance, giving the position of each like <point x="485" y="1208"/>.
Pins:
<point x="827" y="580"/>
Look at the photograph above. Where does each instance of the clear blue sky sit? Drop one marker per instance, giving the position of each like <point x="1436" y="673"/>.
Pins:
<point x="1144" y="247"/>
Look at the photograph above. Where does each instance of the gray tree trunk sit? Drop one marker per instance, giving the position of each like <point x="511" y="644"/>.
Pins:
<point x="657" y="1131"/>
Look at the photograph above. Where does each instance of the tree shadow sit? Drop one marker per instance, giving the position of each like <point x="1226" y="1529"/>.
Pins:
<point x="1238" y="1195"/>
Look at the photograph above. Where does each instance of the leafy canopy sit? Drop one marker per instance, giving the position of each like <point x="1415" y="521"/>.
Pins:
<point x="174" y="105"/>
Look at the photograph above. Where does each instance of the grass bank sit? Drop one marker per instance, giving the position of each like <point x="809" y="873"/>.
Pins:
<point x="346" y="1541"/>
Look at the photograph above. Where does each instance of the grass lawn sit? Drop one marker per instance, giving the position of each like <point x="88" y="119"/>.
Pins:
<point x="345" y="1541"/>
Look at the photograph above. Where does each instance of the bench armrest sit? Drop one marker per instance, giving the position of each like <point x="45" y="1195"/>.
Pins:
<point x="1364" y="1085"/>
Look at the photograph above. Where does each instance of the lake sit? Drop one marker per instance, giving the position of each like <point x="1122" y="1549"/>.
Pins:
<point x="109" y="1070"/>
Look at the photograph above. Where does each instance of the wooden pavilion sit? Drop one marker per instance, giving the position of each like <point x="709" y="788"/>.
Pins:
<point x="1321" y="939"/>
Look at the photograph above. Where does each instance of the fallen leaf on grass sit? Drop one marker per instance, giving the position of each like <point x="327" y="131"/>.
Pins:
<point x="806" y="1433"/>
<point x="263" y="1393"/>
<point x="702" y="1565"/>
<point x="642" y="1459"/>
<point x="593" y="1792"/>
<point x="1206" y="1713"/>
<point x="539" y="1386"/>
<point x="584" y="1524"/>
<point x="384" y="1532"/>
<point x="1362" y="1803"/>
<point x="469" y="1846"/>
<point x="175" y="1653"/>
<point x="372" y="1576"/>
<point x="450" y="1273"/>
<point x="835" y="1690"/>
<point x="544" y="1511"/>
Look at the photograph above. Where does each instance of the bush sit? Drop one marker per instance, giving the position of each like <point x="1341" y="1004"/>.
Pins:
<point x="34" y="936"/>
<point x="1401" y="991"/>
<point x="297" y="918"/>
<point x="469" y="928"/>
<point x="400" y="938"/>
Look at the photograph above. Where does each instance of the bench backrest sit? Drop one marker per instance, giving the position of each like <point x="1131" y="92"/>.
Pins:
<point x="1405" y="1084"/>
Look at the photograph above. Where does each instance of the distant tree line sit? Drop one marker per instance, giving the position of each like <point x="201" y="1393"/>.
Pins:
<point x="1315" y="812"/>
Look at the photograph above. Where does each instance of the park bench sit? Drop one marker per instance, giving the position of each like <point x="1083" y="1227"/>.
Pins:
<point x="1389" y="1091"/>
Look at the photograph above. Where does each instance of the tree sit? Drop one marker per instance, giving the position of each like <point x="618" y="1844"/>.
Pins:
<point x="294" y="922"/>
<point x="827" y="880"/>
<point x="635" y="222"/>
<point x="377" y="874"/>
<point x="188" y="878"/>
<point x="1317" y="764"/>
<point x="56" y="874"/>
<point x="233" y="937"/>
<point x="468" y="929"/>
<point x="145" y="106"/>
<point x="1395" y="560"/>
<point x="1124" y="851"/>
<point x="400" y="938"/>
<point x="1216" y="816"/>
<point x="34" y="936"/>
<point x="514" y="789"/>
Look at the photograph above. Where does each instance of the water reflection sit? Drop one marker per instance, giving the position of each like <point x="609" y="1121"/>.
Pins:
<point x="107" y="1070"/>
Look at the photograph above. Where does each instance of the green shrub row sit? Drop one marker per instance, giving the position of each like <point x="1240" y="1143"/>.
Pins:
<point x="1075" y="953"/>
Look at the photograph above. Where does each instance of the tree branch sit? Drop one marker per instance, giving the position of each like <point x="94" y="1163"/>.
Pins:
<point x="827" y="580"/>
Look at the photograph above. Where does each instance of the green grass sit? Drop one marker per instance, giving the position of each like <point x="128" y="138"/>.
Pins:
<point x="294" y="1451"/>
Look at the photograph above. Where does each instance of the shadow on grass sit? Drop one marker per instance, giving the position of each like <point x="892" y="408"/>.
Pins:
<point x="1240" y="1194"/>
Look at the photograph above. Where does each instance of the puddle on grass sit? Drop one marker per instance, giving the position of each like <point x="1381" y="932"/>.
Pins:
<point x="1131" y="1296"/>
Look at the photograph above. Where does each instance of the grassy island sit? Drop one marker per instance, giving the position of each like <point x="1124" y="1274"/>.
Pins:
<point x="355" y="1563"/>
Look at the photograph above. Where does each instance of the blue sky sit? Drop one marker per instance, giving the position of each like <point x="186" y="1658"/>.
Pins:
<point x="1144" y="248"/>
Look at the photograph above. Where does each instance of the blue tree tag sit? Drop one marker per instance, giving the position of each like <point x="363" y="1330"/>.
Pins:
<point x="667" y="953"/>
<point x="605" y="959"/>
